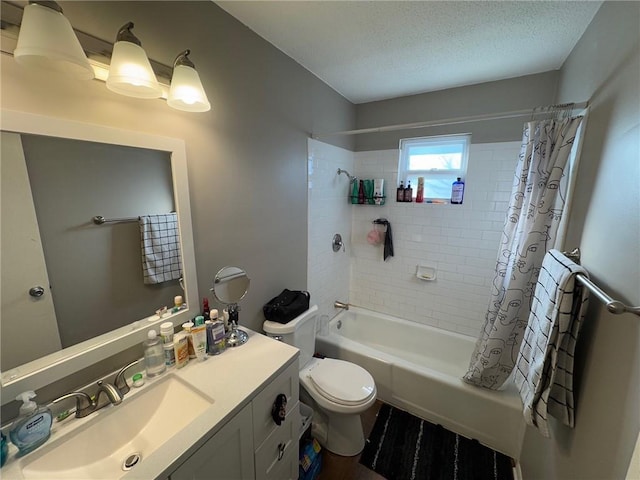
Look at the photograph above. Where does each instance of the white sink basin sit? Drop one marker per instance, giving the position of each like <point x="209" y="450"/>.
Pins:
<point x="139" y="425"/>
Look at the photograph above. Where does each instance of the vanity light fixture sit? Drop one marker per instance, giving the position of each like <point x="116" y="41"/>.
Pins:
<point x="39" y="35"/>
<point x="47" y="40"/>
<point x="186" y="92"/>
<point x="130" y="72"/>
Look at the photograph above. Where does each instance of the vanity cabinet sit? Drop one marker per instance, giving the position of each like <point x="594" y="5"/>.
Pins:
<point x="251" y="445"/>
<point x="228" y="454"/>
<point x="276" y="456"/>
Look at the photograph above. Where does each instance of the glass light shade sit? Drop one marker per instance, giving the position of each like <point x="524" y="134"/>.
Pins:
<point x="130" y="72"/>
<point x="186" y="92"/>
<point x="47" y="40"/>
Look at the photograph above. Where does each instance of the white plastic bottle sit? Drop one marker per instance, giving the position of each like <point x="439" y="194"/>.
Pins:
<point x="154" y="361"/>
<point x="166" y="332"/>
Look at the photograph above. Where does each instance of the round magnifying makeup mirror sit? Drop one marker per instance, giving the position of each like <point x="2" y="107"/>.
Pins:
<point x="230" y="285"/>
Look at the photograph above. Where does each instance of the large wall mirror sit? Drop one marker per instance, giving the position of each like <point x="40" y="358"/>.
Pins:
<point x="74" y="292"/>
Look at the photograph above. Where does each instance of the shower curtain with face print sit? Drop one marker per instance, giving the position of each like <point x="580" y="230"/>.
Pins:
<point x="534" y="213"/>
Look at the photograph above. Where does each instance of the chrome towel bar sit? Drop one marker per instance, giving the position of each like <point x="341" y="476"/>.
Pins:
<point x="614" y="306"/>
<point x="99" y="219"/>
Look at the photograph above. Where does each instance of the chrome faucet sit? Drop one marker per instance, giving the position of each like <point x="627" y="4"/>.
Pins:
<point x="84" y="405"/>
<point x="112" y="393"/>
<point x="118" y="389"/>
<point x="120" y="382"/>
<point x="115" y="392"/>
<point x="339" y="304"/>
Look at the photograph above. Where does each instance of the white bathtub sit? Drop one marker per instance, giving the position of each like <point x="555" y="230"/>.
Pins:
<point x="418" y="368"/>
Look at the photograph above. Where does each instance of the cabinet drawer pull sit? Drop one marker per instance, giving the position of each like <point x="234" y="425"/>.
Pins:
<point x="281" y="447"/>
<point x="279" y="409"/>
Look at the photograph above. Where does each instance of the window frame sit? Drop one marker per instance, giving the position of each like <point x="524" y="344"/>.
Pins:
<point x="435" y="140"/>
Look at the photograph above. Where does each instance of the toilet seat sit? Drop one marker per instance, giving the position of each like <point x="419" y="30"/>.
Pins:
<point x="342" y="382"/>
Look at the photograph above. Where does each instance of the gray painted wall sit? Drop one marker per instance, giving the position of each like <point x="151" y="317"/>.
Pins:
<point x="247" y="172"/>
<point x="494" y="97"/>
<point x="95" y="271"/>
<point x="247" y="157"/>
<point x="605" y="223"/>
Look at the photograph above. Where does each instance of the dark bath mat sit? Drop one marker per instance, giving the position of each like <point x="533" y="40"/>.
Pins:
<point x="404" y="447"/>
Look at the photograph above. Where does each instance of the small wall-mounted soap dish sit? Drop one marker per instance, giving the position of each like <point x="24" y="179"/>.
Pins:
<point x="425" y="273"/>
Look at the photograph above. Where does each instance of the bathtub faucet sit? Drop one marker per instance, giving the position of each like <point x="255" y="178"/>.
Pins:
<point x="339" y="304"/>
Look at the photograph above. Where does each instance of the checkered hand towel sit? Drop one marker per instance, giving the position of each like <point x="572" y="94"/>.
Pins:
<point x="160" y="245"/>
<point x="544" y="369"/>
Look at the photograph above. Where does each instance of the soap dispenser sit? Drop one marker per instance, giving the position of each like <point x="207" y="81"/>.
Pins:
<point x="400" y="193"/>
<point x="33" y="426"/>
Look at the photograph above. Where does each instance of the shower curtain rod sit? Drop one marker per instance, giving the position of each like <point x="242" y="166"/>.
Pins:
<point x="458" y="120"/>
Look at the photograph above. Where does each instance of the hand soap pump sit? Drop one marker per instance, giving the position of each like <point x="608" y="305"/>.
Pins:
<point x="33" y="426"/>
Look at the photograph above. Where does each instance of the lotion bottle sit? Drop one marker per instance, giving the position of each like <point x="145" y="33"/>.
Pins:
<point x="400" y="193"/>
<point x="181" y="347"/>
<point x="33" y="426"/>
<point x="354" y="192"/>
<point x="408" y="192"/>
<point x="420" y="193"/>
<point x="187" y="328"/>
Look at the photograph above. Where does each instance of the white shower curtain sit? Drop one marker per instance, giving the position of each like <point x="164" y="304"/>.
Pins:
<point x="533" y="216"/>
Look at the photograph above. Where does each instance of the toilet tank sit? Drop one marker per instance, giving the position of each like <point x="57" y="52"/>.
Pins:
<point x="299" y="332"/>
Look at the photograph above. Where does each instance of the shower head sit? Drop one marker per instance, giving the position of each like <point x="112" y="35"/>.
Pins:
<point x="352" y="179"/>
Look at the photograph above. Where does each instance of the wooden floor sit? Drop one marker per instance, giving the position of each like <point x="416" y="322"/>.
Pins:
<point x="335" y="467"/>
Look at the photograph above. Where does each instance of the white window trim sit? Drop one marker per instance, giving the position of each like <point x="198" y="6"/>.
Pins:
<point x="404" y="173"/>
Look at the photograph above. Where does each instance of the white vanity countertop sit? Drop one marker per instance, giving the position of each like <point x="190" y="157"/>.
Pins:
<point x="230" y="379"/>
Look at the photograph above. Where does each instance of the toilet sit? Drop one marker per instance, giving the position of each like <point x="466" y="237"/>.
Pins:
<point x="338" y="391"/>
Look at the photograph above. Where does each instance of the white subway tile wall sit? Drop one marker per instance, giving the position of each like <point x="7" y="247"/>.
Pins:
<point x="459" y="241"/>
<point x="328" y="272"/>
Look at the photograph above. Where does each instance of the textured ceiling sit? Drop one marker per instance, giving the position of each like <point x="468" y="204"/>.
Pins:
<point x="372" y="50"/>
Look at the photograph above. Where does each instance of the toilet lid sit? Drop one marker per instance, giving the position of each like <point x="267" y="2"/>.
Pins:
<point x="342" y="382"/>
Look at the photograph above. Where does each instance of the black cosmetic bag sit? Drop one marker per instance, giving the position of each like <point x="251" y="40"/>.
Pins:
<point x="286" y="306"/>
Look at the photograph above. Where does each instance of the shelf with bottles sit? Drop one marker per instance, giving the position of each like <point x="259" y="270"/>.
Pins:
<point x="374" y="200"/>
<point x="404" y="194"/>
<point x="367" y="192"/>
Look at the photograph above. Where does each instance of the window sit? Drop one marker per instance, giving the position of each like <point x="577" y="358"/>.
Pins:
<point x="440" y="160"/>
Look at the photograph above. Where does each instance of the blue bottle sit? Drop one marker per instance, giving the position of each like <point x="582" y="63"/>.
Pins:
<point x="33" y="426"/>
<point x="4" y="450"/>
<point x="457" y="191"/>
